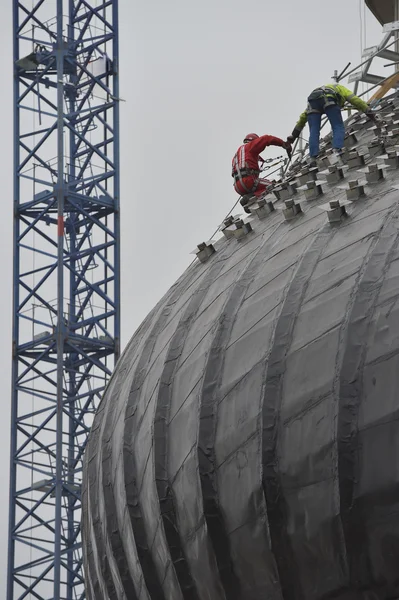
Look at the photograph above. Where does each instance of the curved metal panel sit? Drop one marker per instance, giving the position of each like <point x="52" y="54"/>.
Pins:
<point x="246" y="445"/>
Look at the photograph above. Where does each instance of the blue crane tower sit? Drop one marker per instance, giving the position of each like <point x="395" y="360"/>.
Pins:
<point x="66" y="301"/>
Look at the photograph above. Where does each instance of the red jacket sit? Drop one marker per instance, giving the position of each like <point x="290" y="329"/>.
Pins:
<point x="247" y="155"/>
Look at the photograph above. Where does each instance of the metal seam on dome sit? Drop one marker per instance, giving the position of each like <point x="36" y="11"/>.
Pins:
<point x="358" y="330"/>
<point x="87" y="549"/>
<point x="336" y="383"/>
<point x="150" y="573"/>
<point x="89" y="555"/>
<point x="97" y="594"/>
<point x="107" y="487"/>
<point x="153" y="582"/>
<point x="164" y="490"/>
<point x="272" y="390"/>
<point x="210" y="388"/>
<point x="92" y="474"/>
<point x="89" y="538"/>
<point x="117" y="547"/>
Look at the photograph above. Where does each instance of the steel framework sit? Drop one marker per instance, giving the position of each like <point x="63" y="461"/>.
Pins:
<point x="66" y="315"/>
<point x="361" y="74"/>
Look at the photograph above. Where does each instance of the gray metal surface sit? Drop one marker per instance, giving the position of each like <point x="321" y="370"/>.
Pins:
<point x="383" y="10"/>
<point x="246" y="447"/>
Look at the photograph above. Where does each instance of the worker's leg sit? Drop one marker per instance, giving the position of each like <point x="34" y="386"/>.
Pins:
<point x="314" y="121"/>
<point x="316" y="108"/>
<point x="263" y="187"/>
<point x="246" y="186"/>
<point x="334" y="115"/>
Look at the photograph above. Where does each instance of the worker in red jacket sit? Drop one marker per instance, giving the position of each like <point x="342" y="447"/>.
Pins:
<point x="245" y="164"/>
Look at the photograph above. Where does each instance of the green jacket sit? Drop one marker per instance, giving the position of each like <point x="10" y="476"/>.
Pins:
<point x="340" y="93"/>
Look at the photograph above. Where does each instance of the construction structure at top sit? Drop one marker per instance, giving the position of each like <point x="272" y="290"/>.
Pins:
<point x="66" y="277"/>
<point x="386" y="11"/>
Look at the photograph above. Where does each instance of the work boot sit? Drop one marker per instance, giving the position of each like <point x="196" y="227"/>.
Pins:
<point x="338" y="155"/>
<point x="247" y="200"/>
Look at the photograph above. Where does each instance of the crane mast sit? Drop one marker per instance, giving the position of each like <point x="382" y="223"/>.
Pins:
<point x="66" y="277"/>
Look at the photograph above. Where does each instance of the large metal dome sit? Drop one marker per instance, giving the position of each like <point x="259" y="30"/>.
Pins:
<point x="247" y="445"/>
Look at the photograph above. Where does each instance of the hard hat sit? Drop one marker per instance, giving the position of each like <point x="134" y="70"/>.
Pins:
<point x="250" y="136"/>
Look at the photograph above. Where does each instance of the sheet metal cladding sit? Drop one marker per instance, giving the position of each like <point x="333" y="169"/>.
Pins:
<point x="247" y="445"/>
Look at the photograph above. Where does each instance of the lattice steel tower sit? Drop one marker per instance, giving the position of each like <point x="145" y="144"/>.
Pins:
<point x="66" y="277"/>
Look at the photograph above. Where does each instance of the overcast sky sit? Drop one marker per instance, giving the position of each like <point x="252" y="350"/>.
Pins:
<point x="196" y="77"/>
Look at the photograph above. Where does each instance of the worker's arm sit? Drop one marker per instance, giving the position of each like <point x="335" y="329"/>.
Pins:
<point x="298" y="127"/>
<point x="352" y="98"/>
<point x="263" y="141"/>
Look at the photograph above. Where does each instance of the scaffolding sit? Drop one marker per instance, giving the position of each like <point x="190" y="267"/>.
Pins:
<point x="66" y="301"/>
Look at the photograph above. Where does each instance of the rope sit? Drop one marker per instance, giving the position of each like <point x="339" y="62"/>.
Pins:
<point x="233" y="208"/>
<point x="362" y="34"/>
<point x="361" y="27"/>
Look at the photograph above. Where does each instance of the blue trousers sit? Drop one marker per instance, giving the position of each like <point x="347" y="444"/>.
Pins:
<point x="334" y="115"/>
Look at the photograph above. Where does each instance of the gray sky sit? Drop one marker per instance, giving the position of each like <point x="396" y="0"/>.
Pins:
<point x="196" y="77"/>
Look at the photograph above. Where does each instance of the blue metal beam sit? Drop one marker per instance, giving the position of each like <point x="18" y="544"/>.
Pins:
<point x="66" y="301"/>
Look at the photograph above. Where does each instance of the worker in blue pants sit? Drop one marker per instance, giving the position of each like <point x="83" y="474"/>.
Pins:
<point x="328" y="100"/>
<point x="334" y="115"/>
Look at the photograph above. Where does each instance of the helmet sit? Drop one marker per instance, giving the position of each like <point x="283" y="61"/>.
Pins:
<point x="250" y="136"/>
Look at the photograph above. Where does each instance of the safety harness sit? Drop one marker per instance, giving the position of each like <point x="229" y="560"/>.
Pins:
<point x="329" y="95"/>
<point x="241" y="169"/>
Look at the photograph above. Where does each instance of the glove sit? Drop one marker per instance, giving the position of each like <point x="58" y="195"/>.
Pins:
<point x="294" y="135"/>
<point x="288" y="148"/>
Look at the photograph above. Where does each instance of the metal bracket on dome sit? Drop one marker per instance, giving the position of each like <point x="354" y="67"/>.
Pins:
<point x="331" y="159"/>
<point x="359" y="123"/>
<point x="334" y="174"/>
<point x="307" y="174"/>
<point x="291" y="210"/>
<point x="376" y="147"/>
<point x="225" y="227"/>
<point x="312" y="190"/>
<point x="237" y="229"/>
<point x="393" y="124"/>
<point x="392" y="158"/>
<point x="336" y="211"/>
<point x="262" y="208"/>
<point x="345" y="154"/>
<point x="350" y="140"/>
<point x="354" y="190"/>
<point x="390" y="105"/>
<point x="374" y="172"/>
<point x="392" y="135"/>
<point x="355" y="159"/>
<point x="284" y="191"/>
<point x="204" y="250"/>
<point x="324" y="161"/>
